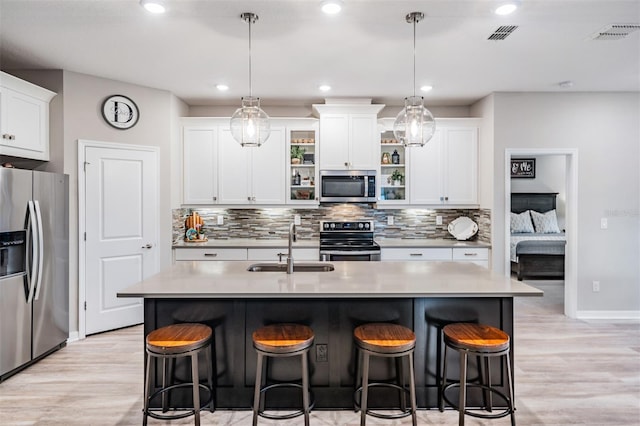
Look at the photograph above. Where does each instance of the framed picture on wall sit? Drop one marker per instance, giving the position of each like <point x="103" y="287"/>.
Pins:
<point x="523" y="168"/>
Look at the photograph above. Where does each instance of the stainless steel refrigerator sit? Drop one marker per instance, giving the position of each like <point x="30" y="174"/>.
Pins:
<point x="34" y="266"/>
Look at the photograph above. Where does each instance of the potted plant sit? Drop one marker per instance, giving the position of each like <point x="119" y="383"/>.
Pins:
<point x="397" y="178"/>
<point x="297" y="154"/>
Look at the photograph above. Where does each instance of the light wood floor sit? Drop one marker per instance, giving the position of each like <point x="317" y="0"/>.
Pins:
<point x="567" y="372"/>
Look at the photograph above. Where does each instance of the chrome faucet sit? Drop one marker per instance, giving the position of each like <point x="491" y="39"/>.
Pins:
<point x="292" y="239"/>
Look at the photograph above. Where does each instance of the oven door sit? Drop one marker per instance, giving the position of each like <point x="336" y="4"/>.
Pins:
<point x="350" y="255"/>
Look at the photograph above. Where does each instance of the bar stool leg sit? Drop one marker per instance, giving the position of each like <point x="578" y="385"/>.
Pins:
<point x="511" y="390"/>
<point x="196" y="387"/>
<point x="365" y="388"/>
<point x="487" y="361"/>
<point x="207" y="354"/>
<point x="401" y="382"/>
<point x="147" y="390"/>
<point x="412" y="391"/>
<point x="358" y="381"/>
<point x="440" y="378"/>
<point x="463" y="386"/>
<point x="256" y="392"/>
<point x="444" y="382"/>
<point x="305" y="387"/>
<point x="165" y="395"/>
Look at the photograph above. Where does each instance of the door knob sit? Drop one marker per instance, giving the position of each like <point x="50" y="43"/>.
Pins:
<point x="147" y="246"/>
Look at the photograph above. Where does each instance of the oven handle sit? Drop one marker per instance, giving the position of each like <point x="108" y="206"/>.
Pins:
<point x="356" y="253"/>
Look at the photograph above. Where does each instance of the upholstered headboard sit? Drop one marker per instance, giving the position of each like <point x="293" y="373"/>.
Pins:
<point x="537" y="201"/>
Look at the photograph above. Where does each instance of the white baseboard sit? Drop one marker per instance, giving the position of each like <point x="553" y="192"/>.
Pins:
<point x="609" y="315"/>
<point x="73" y="337"/>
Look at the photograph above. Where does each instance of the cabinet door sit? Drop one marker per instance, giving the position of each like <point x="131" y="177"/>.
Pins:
<point x="334" y="142"/>
<point x="364" y="141"/>
<point x="426" y="171"/>
<point x="269" y="168"/>
<point x="25" y="119"/>
<point x="200" y="150"/>
<point x="461" y="171"/>
<point x="234" y="170"/>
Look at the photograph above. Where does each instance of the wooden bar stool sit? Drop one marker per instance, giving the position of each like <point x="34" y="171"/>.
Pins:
<point x="282" y="340"/>
<point x="391" y="341"/>
<point x="175" y="341"/>
<point x="486" y="342"/>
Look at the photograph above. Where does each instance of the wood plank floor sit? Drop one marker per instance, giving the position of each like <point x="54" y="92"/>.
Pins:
<point x="567" y="372"/>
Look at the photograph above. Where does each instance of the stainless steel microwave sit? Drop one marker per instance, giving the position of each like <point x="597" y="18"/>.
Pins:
<point x="347" y="186"/>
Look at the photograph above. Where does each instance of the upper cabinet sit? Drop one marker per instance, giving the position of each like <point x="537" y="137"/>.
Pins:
<point x="445" y="170"/>
<point x="200" y="154"/>
<point x="349" y="136"/>
<point x="302" y="160"/>
<point x="24" y="118"/>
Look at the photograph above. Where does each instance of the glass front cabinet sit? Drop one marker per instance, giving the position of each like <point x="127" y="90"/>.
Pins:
<point x="393" y="170"/>
<point x="302" y="160"/>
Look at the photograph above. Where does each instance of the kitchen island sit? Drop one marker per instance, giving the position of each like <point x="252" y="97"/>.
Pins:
<point x="235" y="302"/>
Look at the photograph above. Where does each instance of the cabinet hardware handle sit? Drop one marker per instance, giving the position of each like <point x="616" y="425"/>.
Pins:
<point x="280" y="256"/>
<point x="12" y="137"/>
<point x="346" y="164"/>
<point x="415" y="254"/>
<point x="6" y="136"/>
<point x="446" y="198"/>
<point x="441" y="198"/>
<point x="215" y="198"/>
<point x="471" y="254"/>
<point x="147" y="246"/>
<point x="248" y="198"/>
<point x="211" y="254"/>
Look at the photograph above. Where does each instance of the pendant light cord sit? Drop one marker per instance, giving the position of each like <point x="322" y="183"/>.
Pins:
<point x="414" y="57"/>
<point x="250" y="92"/>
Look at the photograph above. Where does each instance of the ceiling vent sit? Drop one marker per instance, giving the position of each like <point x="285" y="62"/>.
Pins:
<point x="615" y="31"/>
<point x="502" y="32"/>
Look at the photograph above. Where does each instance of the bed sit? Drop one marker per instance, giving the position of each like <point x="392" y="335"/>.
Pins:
<point x="536" y="254"/>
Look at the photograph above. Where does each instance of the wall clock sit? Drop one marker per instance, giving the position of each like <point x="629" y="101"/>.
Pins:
<point x="120" y="112"/>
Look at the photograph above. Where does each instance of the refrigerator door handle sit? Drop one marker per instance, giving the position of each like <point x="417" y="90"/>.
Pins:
<point x="32" y="243"/>
<point x="40" y="248"/>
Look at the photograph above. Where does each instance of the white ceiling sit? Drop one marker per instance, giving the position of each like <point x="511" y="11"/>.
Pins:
<point x="366" y="51"/>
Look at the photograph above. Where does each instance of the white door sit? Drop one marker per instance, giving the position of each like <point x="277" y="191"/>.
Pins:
<point x="269" y="169"/>
<point x="121" y="221"/>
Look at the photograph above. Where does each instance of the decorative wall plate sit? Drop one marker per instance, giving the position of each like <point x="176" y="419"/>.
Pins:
<point x="463" y="228"/>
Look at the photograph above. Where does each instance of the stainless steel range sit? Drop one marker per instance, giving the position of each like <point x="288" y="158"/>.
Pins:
<point x="348" y="240"/>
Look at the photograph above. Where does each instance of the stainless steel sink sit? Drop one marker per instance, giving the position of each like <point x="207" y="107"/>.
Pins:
<point x="297" y="267"/>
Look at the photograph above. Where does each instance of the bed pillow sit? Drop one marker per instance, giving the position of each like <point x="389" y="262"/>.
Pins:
<point x="545" y="223"/>
<point x="521" y="222"/>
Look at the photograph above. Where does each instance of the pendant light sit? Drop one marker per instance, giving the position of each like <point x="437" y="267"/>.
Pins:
<point x="415" y="125"/>
<point x="250" y="124"/>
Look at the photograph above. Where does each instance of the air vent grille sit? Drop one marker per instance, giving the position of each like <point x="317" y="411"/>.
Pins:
<point x="615" y="31"/>
<point x="502" y="32"/>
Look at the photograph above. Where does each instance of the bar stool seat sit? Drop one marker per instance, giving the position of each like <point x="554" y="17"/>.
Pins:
<point x="282" y="340"/>
<point x="175" y="341"/>
<point x="385" y="340"/>
<point x="484" y="341"/>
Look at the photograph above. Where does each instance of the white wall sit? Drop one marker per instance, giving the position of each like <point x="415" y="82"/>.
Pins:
<point x="605" y="128"/>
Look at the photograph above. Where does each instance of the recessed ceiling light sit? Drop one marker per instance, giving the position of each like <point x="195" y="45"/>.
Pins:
<point x="566" y="84"/>
<point x="331" y="7"/>
<point x="153" y="6"/>
<point x="324" y="88"/>
<point x="426" y="88"/>
<point x="222" y="87"/>
<point x="506" y="8"/>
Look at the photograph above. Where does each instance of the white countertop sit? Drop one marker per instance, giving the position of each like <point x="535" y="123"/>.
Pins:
<point x="315" y="243"/>
<point x="199" y="279"/>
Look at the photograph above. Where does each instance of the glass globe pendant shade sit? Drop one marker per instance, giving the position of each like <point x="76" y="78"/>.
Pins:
<point x="414" y="125"/>
<point x="250" y="124"/>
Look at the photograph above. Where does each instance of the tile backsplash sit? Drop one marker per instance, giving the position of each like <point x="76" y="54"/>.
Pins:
<point x="273" y="223"/>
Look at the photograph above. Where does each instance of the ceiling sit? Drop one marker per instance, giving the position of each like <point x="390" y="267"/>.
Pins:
<point x="365" y="51"/>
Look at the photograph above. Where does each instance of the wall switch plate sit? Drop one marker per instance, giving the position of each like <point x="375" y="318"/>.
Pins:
<point x="596" y="286"/>
<point x="220" y="219"/>
<point x="296" y="219"/>
<point x="604" y="223"/>
<point x="322" y="353"/>
<point x="438" y="220"/>
<point x="389" y="220"/>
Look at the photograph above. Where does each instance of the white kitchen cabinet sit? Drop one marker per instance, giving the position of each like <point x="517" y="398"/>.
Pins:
<point x="418" y="253"/>
<point x="252" y="175"/>
<point x="479" y="256"/>
<point x="349" y="136"/>
<point x="200" y="171"/>
<point x="24" y="118"/>
<point x="445" y="170"/>
<point x="181" y="254"/>
<point x="273" y="254"/>
<point x="302" y="170"/>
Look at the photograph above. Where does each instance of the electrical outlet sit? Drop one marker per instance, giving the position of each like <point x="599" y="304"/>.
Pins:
<point x="322" y="354"/>
<point x="604" y="223"/>
<point x="296" y="219"/>
<point x="438" y="220"/>
<point x="220" y="219"/>
<point x="596" y="286"/>
<point x="389" y="220"/>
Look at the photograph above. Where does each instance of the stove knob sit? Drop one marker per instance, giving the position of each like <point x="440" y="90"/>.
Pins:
<point x="326" y="226"/>
<point x="333" y="225"/>
<point x="360" y="225"/>
<point x="366" y="226"/>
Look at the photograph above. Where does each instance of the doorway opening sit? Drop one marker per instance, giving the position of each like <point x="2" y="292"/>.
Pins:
<point x="557" y="173"/>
